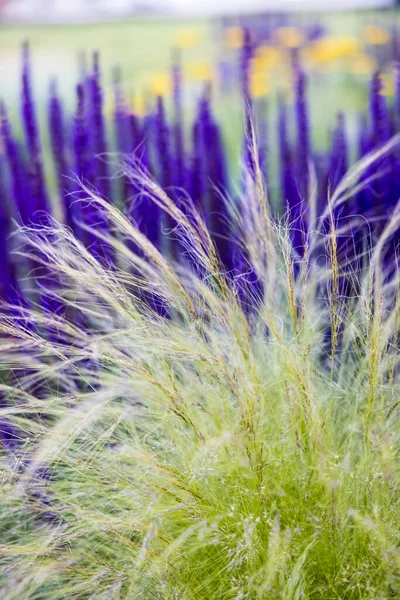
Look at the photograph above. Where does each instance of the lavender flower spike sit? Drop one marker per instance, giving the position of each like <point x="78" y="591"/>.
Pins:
<point x="98" y="129"/>
<point x="22" y="208"/>
<point x="303" y="132"/>
<point x="32" y="138"/>
<point x="289" y="192"/>
<point x="303" y="155"/>
<point x="57" y="140"/>
<point x="339" y="153"/>
<point x="380" y="119"/>
<point x="179" y="174"/>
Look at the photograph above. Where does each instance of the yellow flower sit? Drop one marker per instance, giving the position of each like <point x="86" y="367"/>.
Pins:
<point x="258" y="84"/>
<point x="289" y="37"/>
<point x="139" y="106"/>
<point x="187" y="37"/>
<point x="266" y="57"/>
<point x="333" y="48"/>
<point x="388" y="85"/>
<point x="234" y="37"/>
<point x="108" y="108"/>
<point x="362" y="64"/>
<point x="376" y="36"/>
<point x="200" y="70"/>
<point x="161" y="85"/>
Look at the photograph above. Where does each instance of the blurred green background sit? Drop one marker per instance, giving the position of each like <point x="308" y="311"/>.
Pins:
<point x="143" y="48"/>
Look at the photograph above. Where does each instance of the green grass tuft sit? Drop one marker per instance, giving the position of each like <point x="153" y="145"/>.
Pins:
<point x="223" y="453"/>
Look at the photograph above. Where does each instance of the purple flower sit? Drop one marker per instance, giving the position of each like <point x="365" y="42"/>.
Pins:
<point x="380" y="133"/>
<point x="289" y="191"/>
<point x="17" y="174"/>
<point x="8" y="280"/>
<point x="303" y="132"/>
<point x="339" y="155"/>
<point x="300" y="208"/>
<point x="338" y="166"/>
<point x="365" y="196"/>
<point x="37" y="183"/>
<point x="246" y="56"/>
<point x="216" y="180"/>
<point x="198" y="178"/>
<point x="262" y="138"/>
<point x="163" y="144"/>
<point x="380" y="120"/>
<point x="58" y="146"/>
<point x="98" y="129"/>
<point x="163" y="154"/>
<point x="121" y="117"/>
<point x="397" y="92"/>
<point x="85" y="169"/>
<point x="179" y="146"/>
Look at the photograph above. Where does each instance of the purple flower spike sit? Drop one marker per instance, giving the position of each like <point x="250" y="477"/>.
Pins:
<point x="339" y="158"/>
<point x="365" y="199"/>
<point x="290" y="194"/>
<point x="303" y="154"/>
<point x="163" y="144"/>
<point x="380" y="119"/>
<point x="179" y="175"/>
<point x="57" y="140"/>
<point x="303" y="132"/>
<point x="98" y="130"/>
<point x="245" y="65"/>
<point x="150" y="215"/>
<point x="8" y="293"/>
<point x="198" y="180"/>
<point x="397" y="91"/>
<point x="262" y="137"/>
<point x="37" y="182"/>
<point x="18" y="176"/>
<point x="84" y="169"/>
<point x="381" y="133"/>
<point x="216" y="181"/>
<point x="246" y="57"/>
<point x="163" y="155"/>
<point x="337" y="168"/>
<point x="8" y="280"/>
<point x="124" y="133"/>
<point x="339" y="163"/>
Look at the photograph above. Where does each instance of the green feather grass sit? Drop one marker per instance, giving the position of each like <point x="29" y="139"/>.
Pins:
<point x="212" y="455"/>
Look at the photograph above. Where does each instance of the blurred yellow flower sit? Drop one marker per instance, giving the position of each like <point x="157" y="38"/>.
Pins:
<point x="376" y="36"/>
<point x="200" y="70"/>
<point x="234" y="37"/>
<point x="161" y="85"/>
<point x="266" y="57"/>
<point x="388" y="85"/>
<point x="333" y="48"/>
<point x="289" y="37"/>
<point x="258" y="84"/>
<point x="187" y="37"/>
<point x="362" y="64"/>
<point x="139" y="105"/>
<point x="108" y="108"/>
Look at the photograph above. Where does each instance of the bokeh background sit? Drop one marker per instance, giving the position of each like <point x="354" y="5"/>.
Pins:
<point x="340" y="45"/>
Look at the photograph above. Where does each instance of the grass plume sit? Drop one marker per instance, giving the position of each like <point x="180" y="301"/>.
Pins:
<point x="212" y="450"/>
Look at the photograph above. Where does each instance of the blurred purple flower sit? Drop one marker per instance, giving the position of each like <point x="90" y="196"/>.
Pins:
<point x="36" y="172"/>
<point x="98" y="130"/>
<point x="58" y="147"/>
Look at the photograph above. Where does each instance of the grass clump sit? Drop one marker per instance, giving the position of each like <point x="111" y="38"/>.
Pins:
<point x="179" y="433"/>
